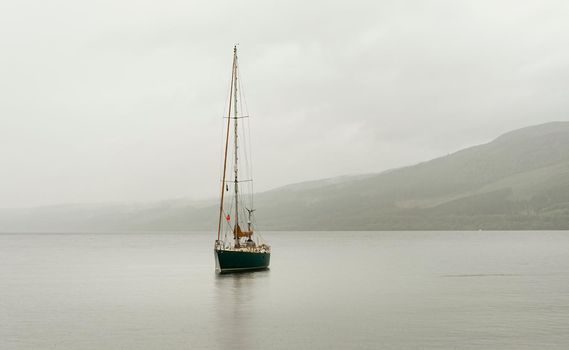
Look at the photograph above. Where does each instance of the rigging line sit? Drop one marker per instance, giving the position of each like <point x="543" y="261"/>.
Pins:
<point x="247" y="144"/>
<point x="243" y="99"/>
<point x="226" y="146"/>
<point x="245" y="151"/>
<point x="242" y="125"/>
<point x="244" y="154"/>
<point x="222" y="128"/>
<point x="242" y="96"/>
<point x="228" y="229"/>
<point x="251" y="164"/>
<point x="240" y="92"/>
<point x="258" y="232"/>
<point x="228" y="223"/>
<point x="244" y="111"/>
<point x="249" y="154"/>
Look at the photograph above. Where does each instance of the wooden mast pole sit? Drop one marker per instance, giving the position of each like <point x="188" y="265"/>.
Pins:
<point x="226" y="143"/>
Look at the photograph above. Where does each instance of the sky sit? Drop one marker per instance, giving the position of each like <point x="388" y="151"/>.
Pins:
<point x="123" y="101"/>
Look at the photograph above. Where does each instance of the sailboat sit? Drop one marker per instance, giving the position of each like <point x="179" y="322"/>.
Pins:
<point x="239" y="246"/>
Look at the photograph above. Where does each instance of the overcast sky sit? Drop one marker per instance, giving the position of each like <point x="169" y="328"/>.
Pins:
<point x="123" y="100"/>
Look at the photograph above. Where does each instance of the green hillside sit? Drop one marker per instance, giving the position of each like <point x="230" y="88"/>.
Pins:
<point x="518" y="181"/>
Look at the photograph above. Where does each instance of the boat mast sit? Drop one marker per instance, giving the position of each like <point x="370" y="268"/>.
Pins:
<point x="226" y="143"/>
<point x="235" y="185"/>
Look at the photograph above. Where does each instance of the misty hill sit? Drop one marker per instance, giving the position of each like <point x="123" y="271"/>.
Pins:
<point x="520" y="180"/>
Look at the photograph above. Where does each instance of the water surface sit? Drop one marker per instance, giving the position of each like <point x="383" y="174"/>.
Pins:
<point x="325" y="290"/>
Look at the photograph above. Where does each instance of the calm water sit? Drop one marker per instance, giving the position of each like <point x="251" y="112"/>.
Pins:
<point x="388" y="290"/>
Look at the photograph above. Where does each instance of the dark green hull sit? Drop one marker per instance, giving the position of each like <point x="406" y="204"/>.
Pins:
<point x="232" y="261"/>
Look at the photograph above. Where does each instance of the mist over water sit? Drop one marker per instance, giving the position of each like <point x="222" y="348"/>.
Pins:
<point x="395" y="290"/>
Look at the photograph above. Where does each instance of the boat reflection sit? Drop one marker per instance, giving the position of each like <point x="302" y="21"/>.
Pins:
<point x="239" y="309"/>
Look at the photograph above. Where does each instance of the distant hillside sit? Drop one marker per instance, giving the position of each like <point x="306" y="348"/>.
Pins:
<point x="518" y="181"/>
